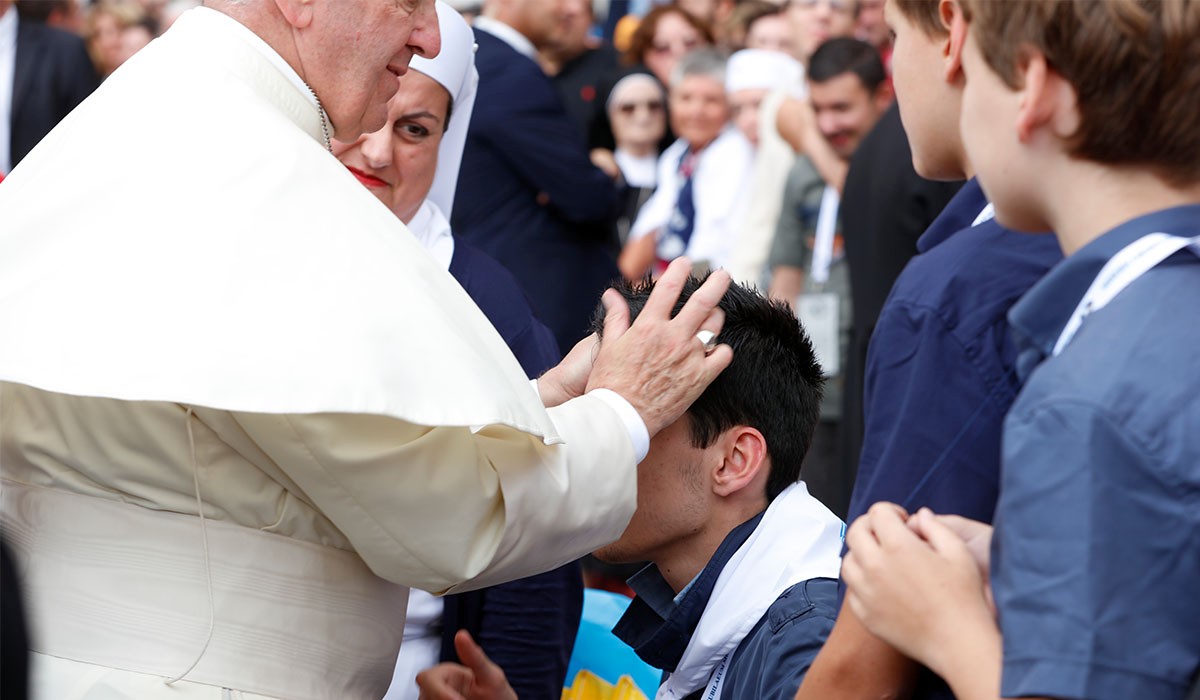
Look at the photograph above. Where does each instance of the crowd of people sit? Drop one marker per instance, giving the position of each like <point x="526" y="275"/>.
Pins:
<point x="846" y="337"/>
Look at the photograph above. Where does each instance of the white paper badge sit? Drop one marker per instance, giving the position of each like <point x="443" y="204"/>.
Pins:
<point x="819" y="315"/>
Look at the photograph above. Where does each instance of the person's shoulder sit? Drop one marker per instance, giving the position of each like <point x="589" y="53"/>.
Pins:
<point x="55" y="39"/>
<point x="773" y="659"/>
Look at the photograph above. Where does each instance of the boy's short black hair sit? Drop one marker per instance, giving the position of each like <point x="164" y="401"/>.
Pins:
<point x="773" y="385"/>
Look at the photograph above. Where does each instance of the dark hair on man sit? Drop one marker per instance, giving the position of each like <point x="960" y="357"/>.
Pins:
<point x="41" y="10"/>
<point x="773" y="385"/>
<point x="846" y="55"/>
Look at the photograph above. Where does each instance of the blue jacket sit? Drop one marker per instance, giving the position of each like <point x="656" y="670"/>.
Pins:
<point x="529" y="196"/>
<point x="773" y="658"/>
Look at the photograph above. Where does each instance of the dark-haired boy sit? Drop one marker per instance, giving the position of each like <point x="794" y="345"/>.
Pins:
<point x="940" y="371"/>
<point x="741" y="591"/>
<point x="1079" y="117"/>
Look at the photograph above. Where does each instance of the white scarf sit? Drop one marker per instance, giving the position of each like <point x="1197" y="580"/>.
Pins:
<point x="798" y="539"/>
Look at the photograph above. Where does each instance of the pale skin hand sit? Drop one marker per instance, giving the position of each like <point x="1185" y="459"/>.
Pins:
<point x="477" y="678"/>
<point x="657" y="364"/>
<point x="568" y="379"/>
<point x="605" y="160"/>
<point x="856" y="664"/>
<point x="637" y="256"/>
<point x="918" y="587"/>
<point x="787" y="281"/>
<point x="797" y="124"/>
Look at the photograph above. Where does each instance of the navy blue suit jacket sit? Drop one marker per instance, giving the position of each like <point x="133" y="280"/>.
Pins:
<point x="52" y="75"/>
<point x="529" y="196"/>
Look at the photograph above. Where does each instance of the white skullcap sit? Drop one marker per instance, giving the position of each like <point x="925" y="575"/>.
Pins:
<point x="760" y="69"/>
<point x="453" y="69"/>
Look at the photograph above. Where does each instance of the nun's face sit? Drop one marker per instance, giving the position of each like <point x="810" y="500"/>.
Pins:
<point x="637" y="111"/>
<point x="397" y="162"/>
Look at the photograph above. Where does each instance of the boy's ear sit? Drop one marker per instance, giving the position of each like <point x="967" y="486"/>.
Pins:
<point x="298" y="13"/>
<point x="951" y="15"/>
<point x="1047" y="99"/>
<point x="745" y="457"/>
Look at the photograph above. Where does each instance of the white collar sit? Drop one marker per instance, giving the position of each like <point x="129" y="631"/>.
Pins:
<point x="798" y="539"/>
<point x="638" y="171"/>
<point x="247" y="35"/>
<point x="432" y="231"/>
<point x="8" y="29"/>
<point x="508" y="35"/>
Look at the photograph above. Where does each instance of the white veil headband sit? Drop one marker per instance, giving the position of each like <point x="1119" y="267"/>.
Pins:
<point x="454" y="69"/>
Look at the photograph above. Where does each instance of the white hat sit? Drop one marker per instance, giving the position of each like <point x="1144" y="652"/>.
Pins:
<point x="454" y="69"/>
<point x="752" y="69"/>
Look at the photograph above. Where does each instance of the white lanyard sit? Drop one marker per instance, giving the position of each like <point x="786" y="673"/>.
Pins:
<point x="1133" y="261"/>
<point x="822" y="257"/>
<point x="718" y="679"/>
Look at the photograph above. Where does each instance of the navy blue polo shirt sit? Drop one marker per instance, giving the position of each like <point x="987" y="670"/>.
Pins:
<point x="940" y="369"/>
<point x="1096" y="552"/>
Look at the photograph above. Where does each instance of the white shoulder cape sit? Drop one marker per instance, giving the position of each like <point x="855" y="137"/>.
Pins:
<point x="184" y="236"/>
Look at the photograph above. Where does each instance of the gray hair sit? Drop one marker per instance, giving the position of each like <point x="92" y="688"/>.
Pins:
<point x="703" y="61"/>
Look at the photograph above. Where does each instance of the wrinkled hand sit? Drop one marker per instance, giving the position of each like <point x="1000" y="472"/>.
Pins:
<point x="917" y="586"/>
<point x="657" y="364"/>
<point x="477" y="678"/>
<point x="569" y="378"/>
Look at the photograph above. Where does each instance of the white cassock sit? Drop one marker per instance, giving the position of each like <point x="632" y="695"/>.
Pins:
<point x="198" y="303"/>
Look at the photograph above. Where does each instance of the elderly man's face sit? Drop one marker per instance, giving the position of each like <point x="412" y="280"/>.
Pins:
<point x="352" y="52"/>
<point x="397" y="162"/>
<point x="699" y="110"/>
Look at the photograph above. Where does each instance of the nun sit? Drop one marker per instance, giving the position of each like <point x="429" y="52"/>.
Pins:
<point x="411" y="165"/>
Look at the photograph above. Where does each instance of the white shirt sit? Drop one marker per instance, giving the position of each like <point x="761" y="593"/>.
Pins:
<point x="8" y="67"/>
<point x="719" y="186"/>
<point x="508" y="35"/>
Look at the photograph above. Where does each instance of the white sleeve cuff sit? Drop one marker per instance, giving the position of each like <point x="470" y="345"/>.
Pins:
<point x="629" y="416"/>
<point x="536" y="390"/>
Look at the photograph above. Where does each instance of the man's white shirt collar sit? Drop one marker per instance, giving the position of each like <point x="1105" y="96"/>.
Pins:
<point x="8" y="80"/>
<point x="508" y="35"/>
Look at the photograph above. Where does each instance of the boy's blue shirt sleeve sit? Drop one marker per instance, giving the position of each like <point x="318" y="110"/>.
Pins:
<point x="770" y="664"/>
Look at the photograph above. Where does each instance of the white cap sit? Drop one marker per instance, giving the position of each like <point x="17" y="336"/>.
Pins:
<point x="454" y="69"/>
<point x="753" y="69"/>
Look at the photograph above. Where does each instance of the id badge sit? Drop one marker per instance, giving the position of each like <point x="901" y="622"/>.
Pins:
<point x="819" y="315"/>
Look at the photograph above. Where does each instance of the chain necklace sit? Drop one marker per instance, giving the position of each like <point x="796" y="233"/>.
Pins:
<point x="324" y="119"/>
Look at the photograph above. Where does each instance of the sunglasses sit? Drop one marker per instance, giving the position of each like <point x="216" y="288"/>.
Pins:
<point x="628" y="108"/>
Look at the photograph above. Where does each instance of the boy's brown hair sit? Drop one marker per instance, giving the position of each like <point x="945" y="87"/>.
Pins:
<point x="923" y="14"/>
<point x="1134" y="65"/>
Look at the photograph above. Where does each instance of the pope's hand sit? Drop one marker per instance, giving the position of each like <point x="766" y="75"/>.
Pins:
<point x="658" y="364"/>
<point x="476" y="678"/>
<point x="569" y="378"/>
